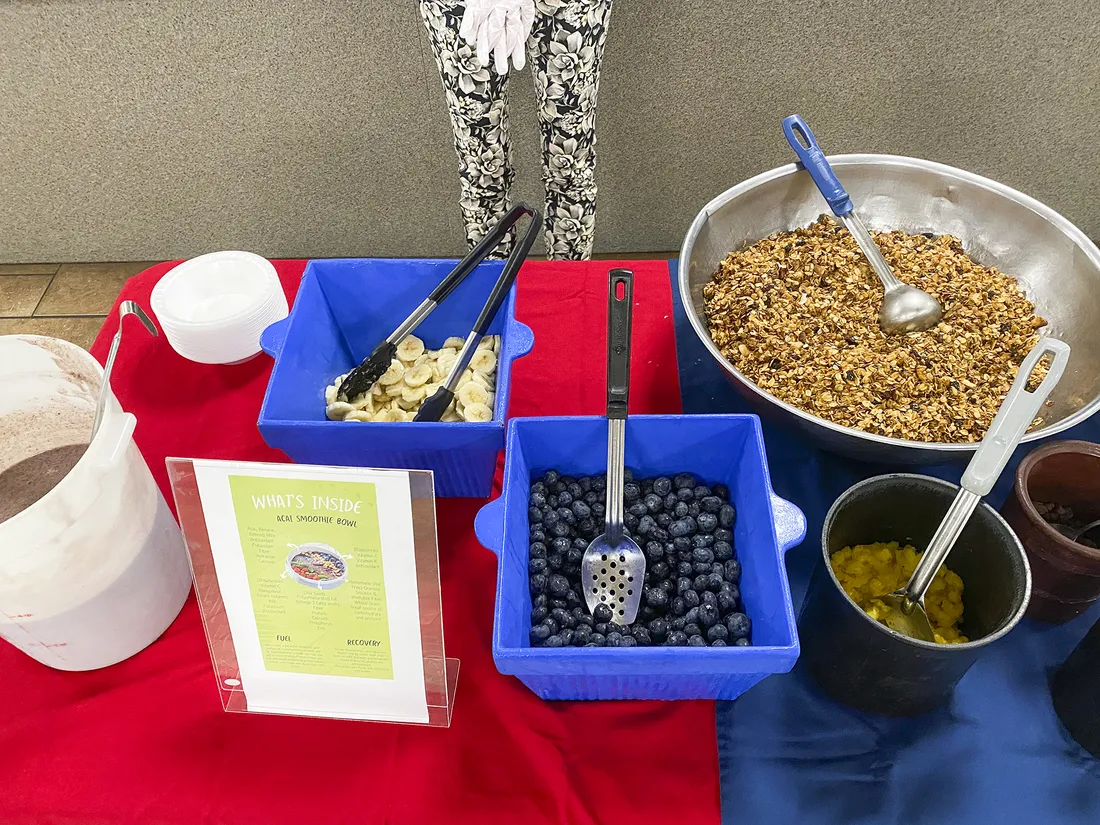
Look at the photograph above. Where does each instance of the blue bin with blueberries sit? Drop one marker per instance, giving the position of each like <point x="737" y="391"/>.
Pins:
<point x="715" y="451"/>
<point x="343" y="309"/>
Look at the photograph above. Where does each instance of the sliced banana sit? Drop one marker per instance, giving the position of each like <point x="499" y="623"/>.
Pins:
<point x="337" y="410"/>
<point x="477" y="413"/>
<point x="485" y="343"/>
<point x="481" y="380"/>
<point x="394" y="390"/>
<point x="443" y="364"/>
<point x="330" y="394"/>
<point x="453" y="343"/>
<point x="376" y="390"/>
<point x="484" y="361"/>
<point x="360" y="415"/>
<point x="450" y="418"/>
<point x="364" y="402"/>
<point x="412" y="395"/>
<point x="410" y="349"/>
<point x="419" y="375"/>
<point x="471" y="393"/>
<point x="394" y="374"/>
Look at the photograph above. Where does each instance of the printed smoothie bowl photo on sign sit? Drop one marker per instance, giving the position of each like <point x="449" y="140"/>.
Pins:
<point x="316" y="565"/>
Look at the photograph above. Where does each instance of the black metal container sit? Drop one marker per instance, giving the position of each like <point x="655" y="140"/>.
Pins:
<point x="864" y="664"/>
<point x="1075" y="689"/>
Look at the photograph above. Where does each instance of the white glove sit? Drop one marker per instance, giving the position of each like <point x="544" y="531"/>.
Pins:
<point x="500" y="28"/>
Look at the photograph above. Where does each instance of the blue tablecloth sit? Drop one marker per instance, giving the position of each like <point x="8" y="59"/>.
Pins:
<point x="788" y="754"/>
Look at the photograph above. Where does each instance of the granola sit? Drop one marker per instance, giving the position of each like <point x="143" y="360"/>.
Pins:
<point x="797" y="314"/>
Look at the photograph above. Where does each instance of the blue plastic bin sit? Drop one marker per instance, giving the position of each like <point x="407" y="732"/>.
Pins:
<point x="343" y="309"/>
<point x="727" y="449"/>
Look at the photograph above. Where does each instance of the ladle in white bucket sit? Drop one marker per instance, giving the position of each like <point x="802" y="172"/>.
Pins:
<point x="125" y="308"/>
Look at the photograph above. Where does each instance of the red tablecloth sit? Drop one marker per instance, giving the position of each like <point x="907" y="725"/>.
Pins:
<point x="146" y="741"/>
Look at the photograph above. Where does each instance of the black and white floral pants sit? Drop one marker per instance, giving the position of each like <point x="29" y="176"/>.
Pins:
<point x="565" y="50"/>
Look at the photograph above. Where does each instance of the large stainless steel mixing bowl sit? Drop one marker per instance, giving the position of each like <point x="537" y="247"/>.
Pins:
<point x="1057" y="265"/>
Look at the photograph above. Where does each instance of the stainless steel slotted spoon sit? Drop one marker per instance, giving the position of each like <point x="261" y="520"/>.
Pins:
<point x="613" y="566"/>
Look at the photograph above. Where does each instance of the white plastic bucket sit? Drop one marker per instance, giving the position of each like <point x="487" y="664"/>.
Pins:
<point x="95" y="570"/>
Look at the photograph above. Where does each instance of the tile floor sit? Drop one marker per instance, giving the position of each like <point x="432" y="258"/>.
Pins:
<point x="70" y="301"/>
<point x="66" y="301"/>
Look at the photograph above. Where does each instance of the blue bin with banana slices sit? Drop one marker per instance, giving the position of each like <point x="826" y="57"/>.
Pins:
<point x="718" y="449"/>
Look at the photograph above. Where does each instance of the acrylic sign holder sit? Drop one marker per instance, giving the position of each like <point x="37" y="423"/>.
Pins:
<point x="440" y="673"/>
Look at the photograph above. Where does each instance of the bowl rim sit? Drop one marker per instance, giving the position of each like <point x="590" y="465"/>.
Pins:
<point x="701" y="331"/>
<point x="260" y="305"/>
<point x="932" y="481"/>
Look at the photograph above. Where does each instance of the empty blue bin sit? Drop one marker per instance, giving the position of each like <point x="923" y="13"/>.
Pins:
<point x="343" y="309"/>
<point x="726" y="449"/>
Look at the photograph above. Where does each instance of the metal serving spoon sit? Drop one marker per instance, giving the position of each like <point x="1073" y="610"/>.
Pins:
<point x="906" y="613"/>
<point x="904" y="308"/>
<point x="124" y="309"/>
<point x="613" y="566"/>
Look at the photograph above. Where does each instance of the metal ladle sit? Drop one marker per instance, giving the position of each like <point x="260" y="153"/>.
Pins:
<point x="124" y="309"/>
<point x="904" y="308"/>
<point x="905" y="611"/>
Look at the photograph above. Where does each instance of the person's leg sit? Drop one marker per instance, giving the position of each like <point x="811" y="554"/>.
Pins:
<point x="479" y="117"/>
<point x="566" y="48"/>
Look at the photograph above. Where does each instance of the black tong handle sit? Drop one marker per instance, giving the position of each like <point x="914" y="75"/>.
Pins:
<point x="620" y="305"/>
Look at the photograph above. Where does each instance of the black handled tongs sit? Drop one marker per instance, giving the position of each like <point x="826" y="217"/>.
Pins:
<point x="363" y="377"/>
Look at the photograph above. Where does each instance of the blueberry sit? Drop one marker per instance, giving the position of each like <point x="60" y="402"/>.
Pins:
<point x="693" y="630"/>
<point x="537" y="536"/>
<point x="600" y="627"/>
<point x="709" y="598"/>
<point x="602" y="613"/>
<point x="628" y="474"/>
<point x="631" y="491"/>
<point x="700" y="582"/>
<point x="550" y="623"/>
<point x="534" y="515"/>
<point x="540" y="633"/>
<point x="580" y="544"/>
<point x="699" y="568"/>
<point x="714" y="582"/>
<point x="692" y="615"/>
<point x="718" y="643"/>
<point x="716" y="633"/>
<point x="733" y="571"/>
<point x="676" y="623"/>
<point x="560" y="529"/>
<point x="552" y="502"/>
<point x="596" y="640"/>
<point x="581" y="510"/>
<point x="708" y="615"/>
<point x="581" y="635"/>
<point x="557" y="603"/>
<point x="711" y="504"/>
<point x="539" y="614"/>
<point x="566" y="636"/>
<point x="656" y="597"/>
<point x="580" y="616"/>
<point x="659" y="571"/>
<point x="693" y="509"/>
<point x="670" y="501"/>
<point x="540" y="600"/>
<point x="722" y="491"/>
<point x="654" y="503"/>
<point x="681" y="509"/>
<point x="538" y="498"/>
<point x="566" y="515"/>
<point x="573" y="559"/>
<point x="641" y="636"/>
<point x="669" y="586"/>
<point x="683" y="481"/>
<point x="723" y="551"/>
<point x="696" y="641"/>
<point x="646" y="525"/>
<point x="538" y="487"/>
<point x="664" y="519"/>
<point x="683" y="584"/>
<point x="682" y="544"/>
<point x="614" y="627"/>
<point x="708" y="522"/>
<point x="599" y="483"/>
<point x="629" y="641"/>
<point x="555" y="561"/>
<point x="682" y="528"/>
<point x="677" y="606"/>
<point x="741" y="642"/>
<point x="658" y="628"/>
<point x="662" y="485"/>
<point x="685" y="495"/>
<point x="701" y="491"/>
<point x="654" y="551"/>
<point x="614" y="639"/>
<point x="659" y="533"/>
<point x="591" y="498"/>
<point x="536" y="566"/>
<point x="727" y="603"/>
<point x="572" y="599"/>
<point x="553" y="641"/>
<point x="700" y="540"/>
<point x="630" y="522"/>
<point x="739" y="625"/>
<point x="550" y="520"/>
<point x="560" y="545"/>
<point x="562" y="617"/>
<point x="683" y="569"/>
<point x="691" y="598"/>
<point x="551" y="478"/>
<point x="585" y="483"/>
<point x="677" y="638"/>
<point x="719" y="569"/>
<point x="588" y="527"/>
<point x="638" y="509"/>
<point x="538" y="583"/>
<point x="722" y="534"/>
<point x="598" y="510"/>
<point x="564" y="499"/>
<point x="702" y="555"/>
<point x="727" y="516"/>
<point x="558" y="586"/>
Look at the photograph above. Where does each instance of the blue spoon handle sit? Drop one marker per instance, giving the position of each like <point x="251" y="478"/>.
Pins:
<point x="804" y="143"/>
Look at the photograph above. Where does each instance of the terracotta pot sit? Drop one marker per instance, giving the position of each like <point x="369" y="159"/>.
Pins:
<point x="1066" y="575"/>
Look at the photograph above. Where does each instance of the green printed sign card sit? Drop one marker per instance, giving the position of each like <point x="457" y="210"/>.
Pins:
<point x="317" y="572"/>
